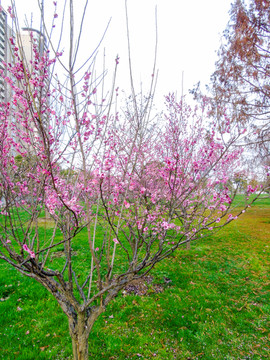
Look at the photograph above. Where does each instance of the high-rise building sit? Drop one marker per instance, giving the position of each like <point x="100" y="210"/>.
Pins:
<point x="26" y="40"/>
<point x="3" y="26"/>
<point x="6" y="33"/>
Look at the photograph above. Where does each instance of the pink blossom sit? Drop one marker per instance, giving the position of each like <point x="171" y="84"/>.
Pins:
<point x="165" y="225"/>
<point x="25" y="247"/>
<point x="31" y="253"/>
<point x="251" y="189"/>
<point x="230" y="217"/>
<point x="223" y="207"/>
<point x="10" y="11"/>
<point x="115" y="241"/>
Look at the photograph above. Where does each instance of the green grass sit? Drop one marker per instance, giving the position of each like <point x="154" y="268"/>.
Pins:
<point x="262" y="201"/>
<point x="217" y="305"/>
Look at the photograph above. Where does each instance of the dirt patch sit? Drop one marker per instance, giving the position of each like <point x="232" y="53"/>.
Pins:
<point x="60" y="254"/>
<point x="46" y="222"/>
<point x="144" y="286"/>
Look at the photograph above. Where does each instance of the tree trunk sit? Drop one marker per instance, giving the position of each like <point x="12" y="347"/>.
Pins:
<point x="79" y="332"/>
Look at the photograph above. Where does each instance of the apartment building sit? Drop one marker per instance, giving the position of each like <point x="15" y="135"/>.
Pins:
<point x="6" y="33"/>
<point x="25" y="40"/>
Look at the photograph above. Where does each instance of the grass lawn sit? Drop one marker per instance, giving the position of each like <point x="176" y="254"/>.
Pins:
<point x="212" y="302"/>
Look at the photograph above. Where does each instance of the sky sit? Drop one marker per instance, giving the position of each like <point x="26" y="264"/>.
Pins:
<point x="189" y="35"/>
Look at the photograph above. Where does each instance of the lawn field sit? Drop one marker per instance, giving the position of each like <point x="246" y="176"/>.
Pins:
<point x="209" y="302"/>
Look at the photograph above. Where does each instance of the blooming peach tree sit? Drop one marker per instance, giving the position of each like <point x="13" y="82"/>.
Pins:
<point x="134" y="189"/>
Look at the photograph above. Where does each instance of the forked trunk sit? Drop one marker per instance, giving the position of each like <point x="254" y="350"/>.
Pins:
<point x="79" y="332"/>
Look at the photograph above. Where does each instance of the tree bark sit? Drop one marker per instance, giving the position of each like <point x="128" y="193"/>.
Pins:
<point x="79" y="331"/>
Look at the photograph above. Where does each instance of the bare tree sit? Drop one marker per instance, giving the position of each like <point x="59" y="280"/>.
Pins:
<point x="241" y="80"/>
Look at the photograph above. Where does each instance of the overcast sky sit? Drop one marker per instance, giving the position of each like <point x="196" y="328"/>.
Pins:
<point x="188" y="37"/>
